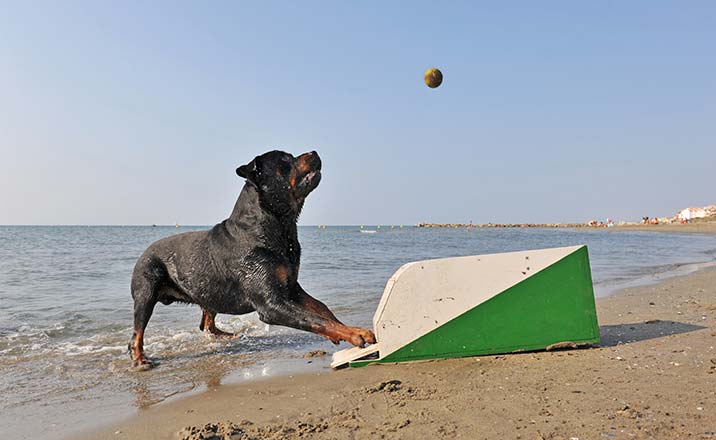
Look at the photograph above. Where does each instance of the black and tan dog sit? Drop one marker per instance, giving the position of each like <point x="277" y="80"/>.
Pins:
<point x="249" y="262"/>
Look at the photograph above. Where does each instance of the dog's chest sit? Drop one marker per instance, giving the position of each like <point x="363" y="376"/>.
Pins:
<point x="293" y="252"/>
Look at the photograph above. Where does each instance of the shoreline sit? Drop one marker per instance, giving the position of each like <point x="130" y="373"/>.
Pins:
<point x="707" y="227"/>
<point x="659" y="333"/>
<point x="503" y="225"/>
<point x="691" y="228"/>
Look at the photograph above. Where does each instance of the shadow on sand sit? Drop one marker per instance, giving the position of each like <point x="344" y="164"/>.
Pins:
<point x="613" y="335"/>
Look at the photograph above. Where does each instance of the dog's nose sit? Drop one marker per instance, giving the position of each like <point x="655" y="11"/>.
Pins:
<point x="315" y="160"/>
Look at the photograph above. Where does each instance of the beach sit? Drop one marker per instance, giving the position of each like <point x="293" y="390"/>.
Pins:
<point x="652" y="377"/>
<point x="206" y="206"/>
<point x="691" y="228"/>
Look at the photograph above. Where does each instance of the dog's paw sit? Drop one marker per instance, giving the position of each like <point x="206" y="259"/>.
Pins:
<point x="220" y="334"/>
<point x="361" y="337"/>
<point x="142" y="363"/>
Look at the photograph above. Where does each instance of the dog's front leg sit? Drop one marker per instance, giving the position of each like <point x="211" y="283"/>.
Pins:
<point x="303" y="312"/>
<point x="336" y="331"/>
<point x="312" y="304"/>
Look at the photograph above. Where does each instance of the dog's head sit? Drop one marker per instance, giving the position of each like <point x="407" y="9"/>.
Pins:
<point x="283" y="181"/>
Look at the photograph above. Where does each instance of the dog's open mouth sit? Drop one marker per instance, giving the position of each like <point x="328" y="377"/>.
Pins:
<point x="309" y="178"/>
<point x="308" y="183"/>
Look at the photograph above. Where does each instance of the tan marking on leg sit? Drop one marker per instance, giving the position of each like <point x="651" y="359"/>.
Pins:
<point x="138" y="344"/>
<point x="208" y="323"/>
<point x="138" y="357"/>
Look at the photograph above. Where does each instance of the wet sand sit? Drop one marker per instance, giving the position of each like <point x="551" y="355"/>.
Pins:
<point x="694" y="228"/>
<point x="654" y="376"/>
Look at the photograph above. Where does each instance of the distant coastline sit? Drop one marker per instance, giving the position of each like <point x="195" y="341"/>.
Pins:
<point x="503" y="225"/>
<point x="698" y="227"/>
<point x="691" y="219"/>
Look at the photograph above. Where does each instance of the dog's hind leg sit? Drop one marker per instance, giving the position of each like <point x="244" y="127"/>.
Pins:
<point x="209" y="324"/>
<point x="145" y="281"/>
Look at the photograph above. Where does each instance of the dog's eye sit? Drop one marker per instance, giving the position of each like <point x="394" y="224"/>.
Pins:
<point x="284" y="167"/>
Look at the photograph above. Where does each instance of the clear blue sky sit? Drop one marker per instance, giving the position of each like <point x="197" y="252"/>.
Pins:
<point x="139" y="112"/>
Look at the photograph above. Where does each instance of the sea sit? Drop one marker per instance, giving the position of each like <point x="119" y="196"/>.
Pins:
<point x="66" y="309"/>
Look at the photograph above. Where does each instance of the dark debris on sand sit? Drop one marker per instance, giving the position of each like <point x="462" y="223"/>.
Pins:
<point x="247" y="430"/>
<point x="315" y="354"/>
<point x="337" y="425"/>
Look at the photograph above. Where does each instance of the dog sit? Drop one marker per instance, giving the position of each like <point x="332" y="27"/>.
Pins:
<point x="248" y="262"/>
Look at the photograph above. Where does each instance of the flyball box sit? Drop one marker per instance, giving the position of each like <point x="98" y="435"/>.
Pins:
<point x="480" y="305"/>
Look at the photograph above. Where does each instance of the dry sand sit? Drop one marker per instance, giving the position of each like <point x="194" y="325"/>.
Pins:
<point x="653" y="377"/>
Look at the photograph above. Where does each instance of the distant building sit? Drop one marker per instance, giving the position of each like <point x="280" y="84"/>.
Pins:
<point x="692" y="213"/>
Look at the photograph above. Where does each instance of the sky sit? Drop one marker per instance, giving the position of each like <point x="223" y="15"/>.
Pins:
<point x="140" y="112"/>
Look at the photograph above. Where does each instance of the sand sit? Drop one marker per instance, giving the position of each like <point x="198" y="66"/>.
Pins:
<point x="654" y="376"/>
<point x="694" y="228"/>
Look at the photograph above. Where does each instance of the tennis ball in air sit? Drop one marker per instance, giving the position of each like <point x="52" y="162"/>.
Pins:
<point x="433" y="77"/>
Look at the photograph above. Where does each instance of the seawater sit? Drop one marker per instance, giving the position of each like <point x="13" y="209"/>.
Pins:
<point x="66" y="309"/>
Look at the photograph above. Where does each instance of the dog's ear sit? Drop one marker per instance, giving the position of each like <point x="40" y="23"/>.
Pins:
<point x="249" y="171"/>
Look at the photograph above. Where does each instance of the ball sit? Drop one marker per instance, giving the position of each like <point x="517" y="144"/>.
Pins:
<point x="433" y="77"/>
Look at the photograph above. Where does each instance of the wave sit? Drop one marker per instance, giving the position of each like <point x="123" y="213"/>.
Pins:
<point x="647" y="275"/>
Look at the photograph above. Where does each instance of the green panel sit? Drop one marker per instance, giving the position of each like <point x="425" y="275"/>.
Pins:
<point x="554" y="305"/>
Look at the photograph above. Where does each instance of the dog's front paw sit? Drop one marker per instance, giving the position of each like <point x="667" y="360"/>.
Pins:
<point x="361" y="337"/>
